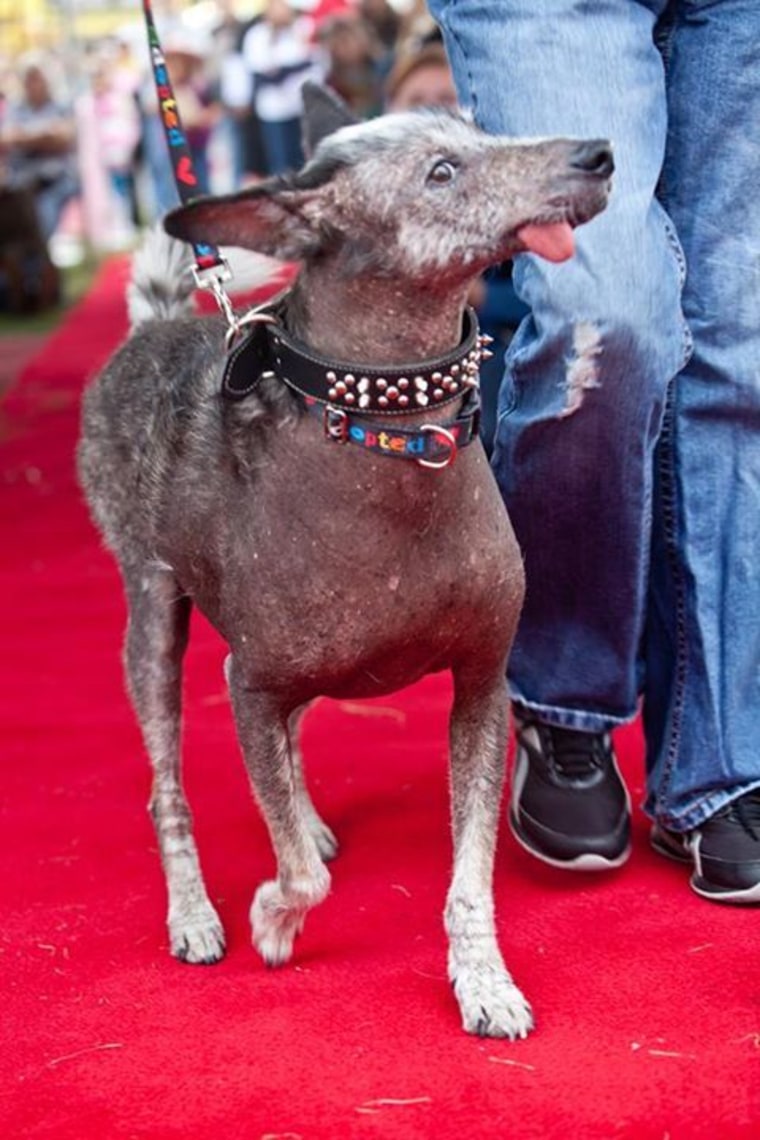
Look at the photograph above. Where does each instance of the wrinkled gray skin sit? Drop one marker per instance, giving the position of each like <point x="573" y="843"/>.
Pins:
<point x="328" y="570"/>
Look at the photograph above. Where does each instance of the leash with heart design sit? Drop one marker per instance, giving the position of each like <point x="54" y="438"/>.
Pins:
<point x="210" y="270"/>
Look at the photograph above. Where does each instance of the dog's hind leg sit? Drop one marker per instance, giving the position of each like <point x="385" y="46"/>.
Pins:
<point x="280" y="905"/>
<point x="490" y="1003"/>
<point x="157" y="633"/>
<point x="324" y="838"/>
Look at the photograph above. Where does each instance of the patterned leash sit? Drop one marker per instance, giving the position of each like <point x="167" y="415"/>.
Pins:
<point x="211" y="270"/>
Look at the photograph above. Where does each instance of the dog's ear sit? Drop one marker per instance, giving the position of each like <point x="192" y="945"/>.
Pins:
<point x="323" y="113"/>
<point x="269" y="218"/>
<point x="282" y="218"/>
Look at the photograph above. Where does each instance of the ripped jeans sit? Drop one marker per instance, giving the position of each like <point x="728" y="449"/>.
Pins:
<point x="628" y="442"/>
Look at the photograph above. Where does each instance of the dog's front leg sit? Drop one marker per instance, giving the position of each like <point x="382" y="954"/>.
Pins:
<point x="280" y="905"/>
<point x="490" y="1003"/>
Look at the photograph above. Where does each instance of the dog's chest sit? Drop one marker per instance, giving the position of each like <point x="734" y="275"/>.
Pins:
<point x="361" y="577"/>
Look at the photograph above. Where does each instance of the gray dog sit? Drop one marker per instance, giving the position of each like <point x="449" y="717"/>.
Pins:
<point x="313" y="512"/>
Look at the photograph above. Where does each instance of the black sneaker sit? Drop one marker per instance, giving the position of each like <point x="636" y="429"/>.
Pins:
<point x="724" y="851"/>
<point x="569" y="805"/>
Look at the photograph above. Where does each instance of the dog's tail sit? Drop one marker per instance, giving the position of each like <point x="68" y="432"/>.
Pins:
<point x="162" y="283"/>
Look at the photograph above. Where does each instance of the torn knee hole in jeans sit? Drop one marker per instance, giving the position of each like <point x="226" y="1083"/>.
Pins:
<point x="582" y="370"/>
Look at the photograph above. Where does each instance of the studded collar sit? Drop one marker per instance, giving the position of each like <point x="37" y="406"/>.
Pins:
<point x="268" y="349"/>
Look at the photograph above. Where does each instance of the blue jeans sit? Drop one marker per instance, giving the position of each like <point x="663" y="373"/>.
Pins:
<point x="51" y="200"/>
<point x="627" y="447"/>
<point x="282" y="145"/>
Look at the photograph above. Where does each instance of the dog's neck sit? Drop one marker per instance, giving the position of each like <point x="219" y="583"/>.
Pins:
<point x="373" y="320"/>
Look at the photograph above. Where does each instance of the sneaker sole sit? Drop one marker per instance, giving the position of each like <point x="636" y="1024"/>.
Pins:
<point x="585" y="862"/>
<point x="748" y="896"/>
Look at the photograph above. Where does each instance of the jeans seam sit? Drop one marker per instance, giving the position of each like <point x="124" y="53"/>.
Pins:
<point x="580" y="721"/>
<point x="678" y="254"/>
<point x="668" y="499"/>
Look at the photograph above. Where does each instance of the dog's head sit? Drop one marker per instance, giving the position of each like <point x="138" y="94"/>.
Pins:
<point x="422" y="195"/>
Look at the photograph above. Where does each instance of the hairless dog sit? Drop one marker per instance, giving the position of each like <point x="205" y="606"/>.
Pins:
<point x="296" y="483"/>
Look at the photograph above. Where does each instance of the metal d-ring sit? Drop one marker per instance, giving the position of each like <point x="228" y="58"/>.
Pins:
<point x="448" y="439"/>
<point x="237" y="324"/>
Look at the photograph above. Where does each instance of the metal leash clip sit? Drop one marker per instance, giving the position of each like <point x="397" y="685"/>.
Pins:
<point x="213" y="282"/>
<point x="212" y="279"/>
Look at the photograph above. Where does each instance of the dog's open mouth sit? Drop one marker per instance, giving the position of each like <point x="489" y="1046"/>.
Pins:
<point x="551" y="240"/>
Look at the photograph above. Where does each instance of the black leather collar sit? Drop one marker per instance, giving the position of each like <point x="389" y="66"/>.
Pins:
<point x="268" y="349"/>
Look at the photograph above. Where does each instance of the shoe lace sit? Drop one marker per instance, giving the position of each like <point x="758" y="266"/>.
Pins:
<point x="746" y="811"/>
<point x="577" y="754"/>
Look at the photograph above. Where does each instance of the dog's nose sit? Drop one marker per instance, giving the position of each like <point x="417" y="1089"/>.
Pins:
<point x="594" y="157"/>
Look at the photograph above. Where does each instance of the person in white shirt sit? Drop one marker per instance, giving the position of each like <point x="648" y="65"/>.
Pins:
<point x="281" y="55"/>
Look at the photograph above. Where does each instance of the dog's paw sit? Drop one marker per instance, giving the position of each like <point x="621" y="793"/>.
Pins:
<point x="278" y="917"/>
<point x="274" y="925"/>
<point x="196" y="934"/>
<point x="490" y="1003"/>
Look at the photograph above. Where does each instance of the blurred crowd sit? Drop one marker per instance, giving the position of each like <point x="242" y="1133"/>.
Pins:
<point x="82" y="152"/>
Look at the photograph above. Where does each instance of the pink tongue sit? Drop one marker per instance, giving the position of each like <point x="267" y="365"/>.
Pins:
<point x="554" y="240"/>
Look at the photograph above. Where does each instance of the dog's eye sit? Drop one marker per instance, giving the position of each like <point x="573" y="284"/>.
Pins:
<point x="442" y="173"/>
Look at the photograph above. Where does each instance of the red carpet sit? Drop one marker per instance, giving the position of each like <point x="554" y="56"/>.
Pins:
<point x="646" y="998"/>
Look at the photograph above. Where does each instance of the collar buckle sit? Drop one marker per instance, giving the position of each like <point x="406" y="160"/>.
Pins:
<point x="335" y="422"/>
